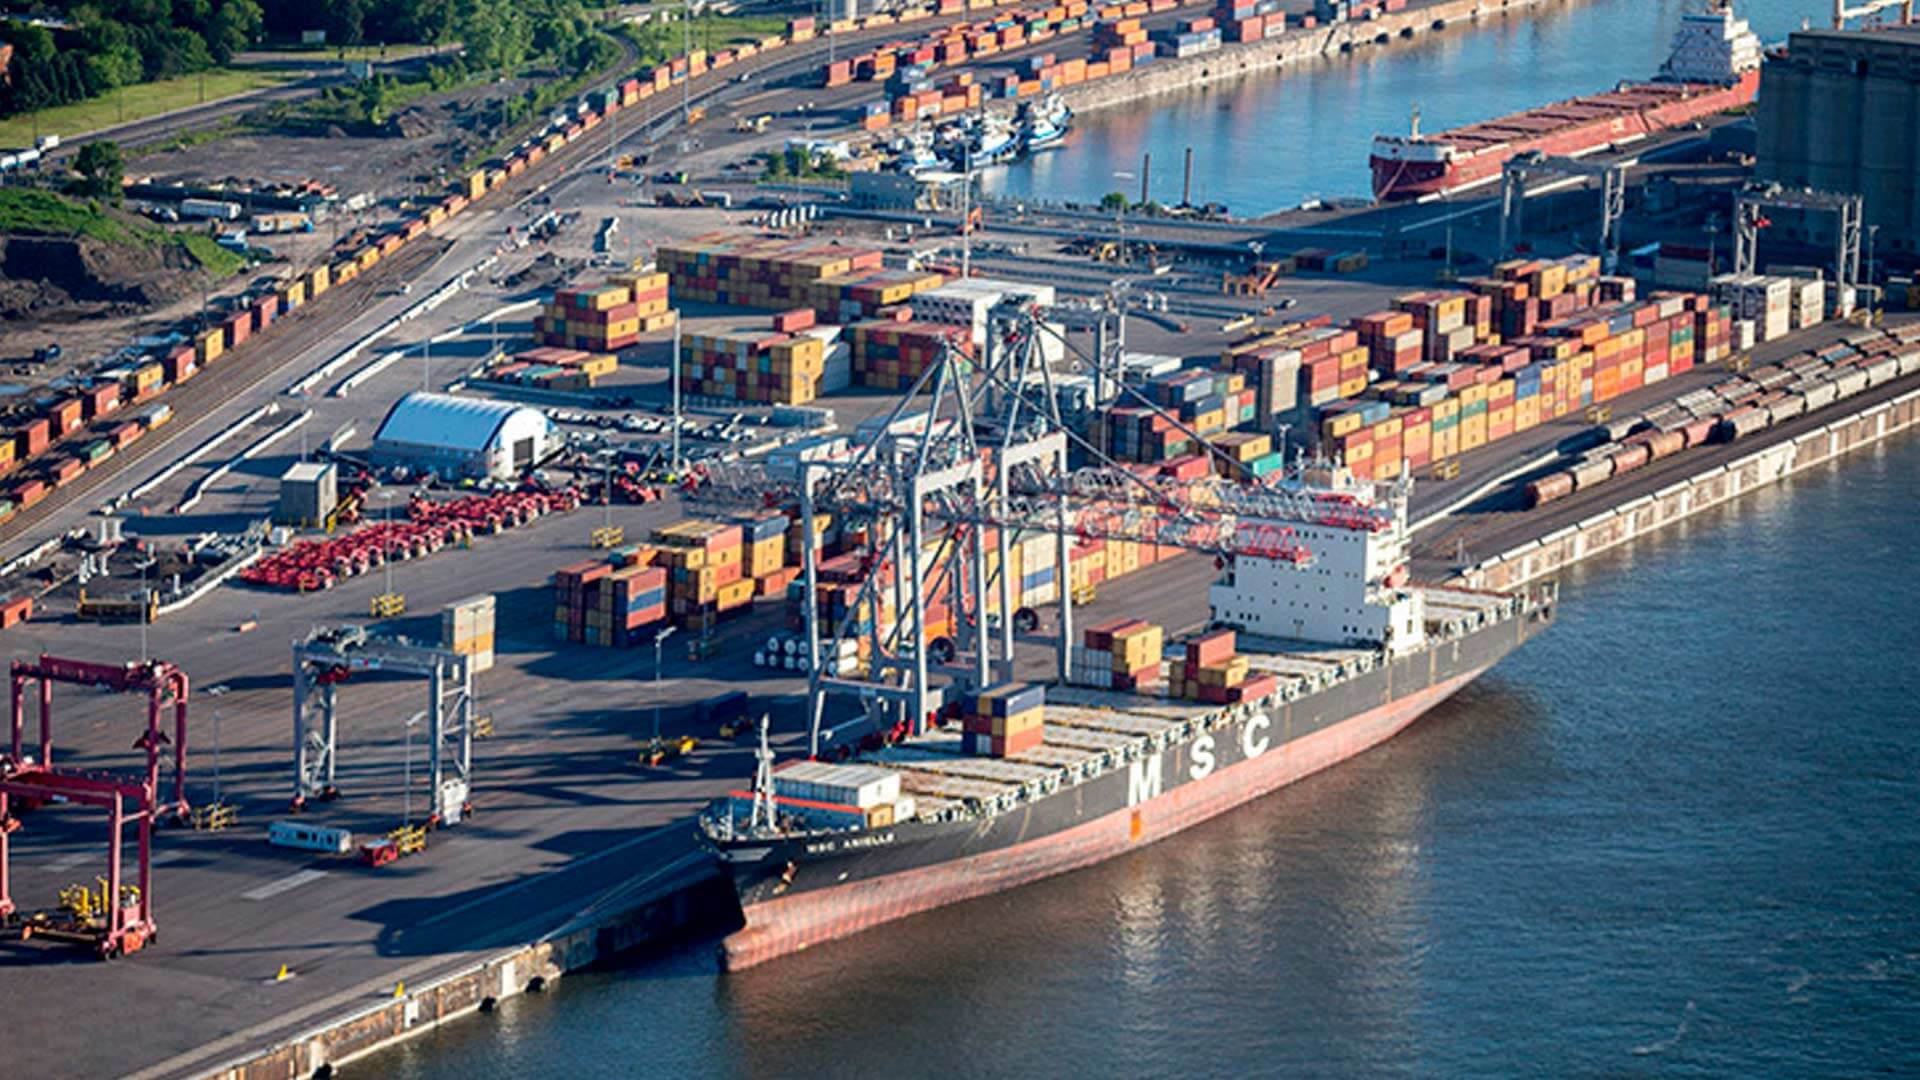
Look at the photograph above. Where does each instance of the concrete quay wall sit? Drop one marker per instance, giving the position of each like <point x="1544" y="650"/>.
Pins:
<point x="337" y="1040"/>
<point x="1295" y="46"/>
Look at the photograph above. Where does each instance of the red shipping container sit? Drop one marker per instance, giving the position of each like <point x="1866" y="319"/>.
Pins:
<point x="1209" y="649"/>
<point x="788" y="322"/>
<point x="33" y="436"/>
<point x="101" y="400"/>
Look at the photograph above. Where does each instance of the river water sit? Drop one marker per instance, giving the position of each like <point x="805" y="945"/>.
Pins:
<point x="1266" y="143"/>
<point x="1674" y="836"/>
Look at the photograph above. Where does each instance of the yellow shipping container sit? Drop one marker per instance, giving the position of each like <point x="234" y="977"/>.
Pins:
<point x="477" y="184"/>
<point x="293" y="294"/>
<point x="319" y="281"/>
<point x="209" y="344"/>
<point x="1473" y="432"/>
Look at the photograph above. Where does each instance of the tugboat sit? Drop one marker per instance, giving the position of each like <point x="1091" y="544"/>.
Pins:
<point x="1045" y="123"/>
<point x="915" y="152"/>
<point x="986" y="139"/>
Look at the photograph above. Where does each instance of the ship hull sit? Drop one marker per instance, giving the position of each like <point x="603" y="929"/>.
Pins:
<point x="802" y="892"/>
<point x="1397" y="179"/>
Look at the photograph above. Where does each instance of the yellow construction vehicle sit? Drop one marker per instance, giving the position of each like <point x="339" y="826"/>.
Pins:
<point x="659" y="750"/>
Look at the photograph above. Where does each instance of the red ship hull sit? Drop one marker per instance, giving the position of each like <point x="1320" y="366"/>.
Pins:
<point x="791" y="923"/>
<point x="1566" y="129"/>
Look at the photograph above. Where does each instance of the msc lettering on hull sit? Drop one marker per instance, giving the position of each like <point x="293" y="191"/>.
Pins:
<point x="1146" y="776"/>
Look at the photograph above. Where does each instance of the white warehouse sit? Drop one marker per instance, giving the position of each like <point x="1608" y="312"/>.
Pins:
<point x="461" y="437"/>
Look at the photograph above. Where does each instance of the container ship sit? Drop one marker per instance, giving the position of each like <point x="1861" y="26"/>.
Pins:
<point x="1302" y="667"/>
<point x="1715" y="66"/>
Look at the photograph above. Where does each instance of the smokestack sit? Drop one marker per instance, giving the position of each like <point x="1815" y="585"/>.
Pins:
<point x="1146" y="170"/>
<point x="1186" y="183"/>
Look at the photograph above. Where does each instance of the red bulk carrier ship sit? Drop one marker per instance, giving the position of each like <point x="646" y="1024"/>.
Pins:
<point x="1715" y="66"/>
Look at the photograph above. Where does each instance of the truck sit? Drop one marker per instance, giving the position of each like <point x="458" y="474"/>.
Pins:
<point x="213" y="209"/>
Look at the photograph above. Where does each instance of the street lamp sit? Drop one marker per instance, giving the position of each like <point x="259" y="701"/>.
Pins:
<point x="407" y="783"/>
<point x="659" y="639"/>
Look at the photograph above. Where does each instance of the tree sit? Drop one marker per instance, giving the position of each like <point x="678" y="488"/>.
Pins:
<point x="102" y="170"/>
<point x="1113" y="200"/>
<point x="234" y="26"/>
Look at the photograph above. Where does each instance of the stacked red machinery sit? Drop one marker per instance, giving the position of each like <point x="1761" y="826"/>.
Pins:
<point x="430" y="526"/>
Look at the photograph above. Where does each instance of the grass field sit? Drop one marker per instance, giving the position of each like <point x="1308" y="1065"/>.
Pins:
<point x="658" y="40"/>
<point x="42" y="213"/>
<point x="130" y="103"/>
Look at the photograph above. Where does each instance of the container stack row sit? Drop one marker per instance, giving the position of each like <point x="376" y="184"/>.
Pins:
<point x="552" y="368"/>
<point x="891" y="354"/>
<point x="608" y="317"/>
<point x="611" y="602"/>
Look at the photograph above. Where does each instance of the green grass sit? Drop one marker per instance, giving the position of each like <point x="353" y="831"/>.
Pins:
<point x="659" y="41"/>
<point x="212" y="258"/>
<point x="130" y="103"/>
<point x="31" y="211"/>
<point x="42" y="213"/>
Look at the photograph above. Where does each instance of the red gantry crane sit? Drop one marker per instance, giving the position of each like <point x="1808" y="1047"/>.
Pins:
<point x="123" y="921"/>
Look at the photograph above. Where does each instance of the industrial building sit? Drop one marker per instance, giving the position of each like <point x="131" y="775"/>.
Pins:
<point x="1838" y="114"/>
<point x="461" y="437"/>
<point x="308" y="493"/>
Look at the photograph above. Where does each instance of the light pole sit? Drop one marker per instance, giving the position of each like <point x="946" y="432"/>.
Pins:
<point x="216" y="757"/>
<point x="674" y="378"/>
<point x="406" y="814"/>
<point x="659" y="639"/>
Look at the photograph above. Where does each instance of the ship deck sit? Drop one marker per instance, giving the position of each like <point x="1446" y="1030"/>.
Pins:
<point x="1088" y="730"/>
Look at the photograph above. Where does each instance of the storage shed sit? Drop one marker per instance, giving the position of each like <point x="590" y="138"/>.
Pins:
<point x="460" y="437"/>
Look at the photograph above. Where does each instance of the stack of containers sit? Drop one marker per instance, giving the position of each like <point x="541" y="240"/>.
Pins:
<point x="1393" y="342"/>
<point x="707" y="571"/>
<point x="1212" y="671"/>
<point x="466" y="628"/>
<point x="830" y="796"/>
<point x="573" y="588"/>
<point x="765" y="537"/>
<point x="890" y="355"/>
<point x="1123" y="654"/>
<point x="552" y="368"/>
<point x="753" y="364"/>
<point x="1005" y="720"/>
<point x="599" y="319"/>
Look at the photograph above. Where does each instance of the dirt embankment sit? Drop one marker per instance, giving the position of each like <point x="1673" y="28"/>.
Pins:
<point x="72" y="278"/>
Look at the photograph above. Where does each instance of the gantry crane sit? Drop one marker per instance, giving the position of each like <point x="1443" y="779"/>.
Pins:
<point x="1749" y="217"/>
<point x="977" y="454"/>
<point x="1841" y="12"/>
<point x="1613" y="195"/>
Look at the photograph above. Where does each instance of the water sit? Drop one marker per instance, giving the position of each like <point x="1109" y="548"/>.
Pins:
<point x="1673" y="836"/>
<point x="1267" y="143"/>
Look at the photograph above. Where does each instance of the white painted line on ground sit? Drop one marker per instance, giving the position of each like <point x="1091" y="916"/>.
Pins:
<point x="70" y="860"/>
<point x="161" y="858"/>
<point x="291" y="881"/>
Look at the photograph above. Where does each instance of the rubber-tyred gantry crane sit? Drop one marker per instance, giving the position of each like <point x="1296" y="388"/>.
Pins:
<point x="32" y="779"/>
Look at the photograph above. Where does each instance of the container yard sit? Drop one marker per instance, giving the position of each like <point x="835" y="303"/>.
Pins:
<point x="785" y="576"/>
